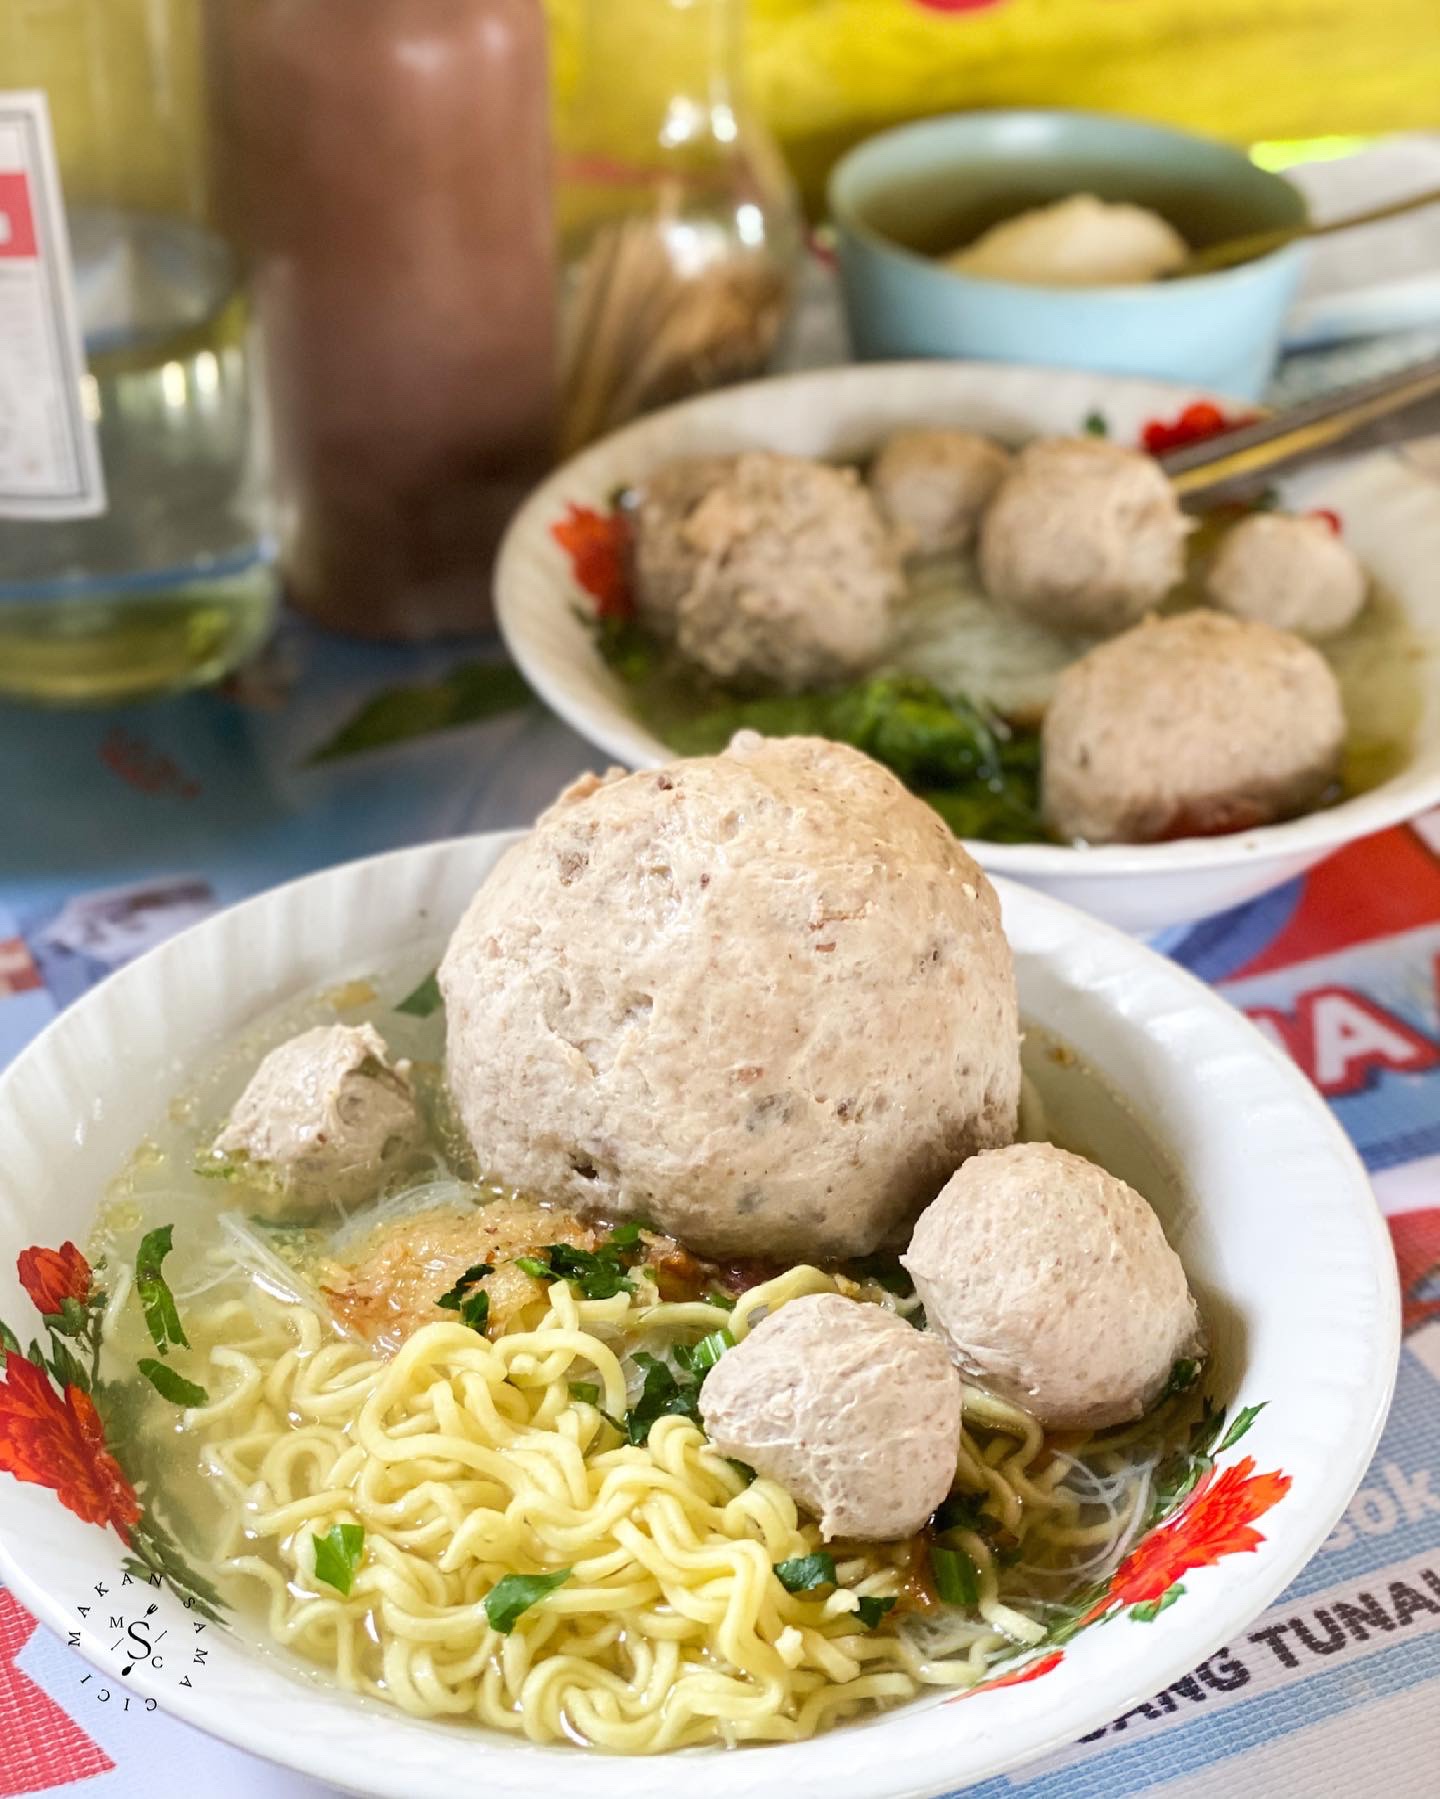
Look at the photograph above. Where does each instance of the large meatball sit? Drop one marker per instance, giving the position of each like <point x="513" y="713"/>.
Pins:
<point x="1082" y="535"/>
<point x="852" y="1411"/>
<point x="1053" y="1285"/>
<point x="796" y="576"/>
<point x="934" y="485"/>
<point x="325" y="1119"/>
<point x="761" y="999"/>
<point x="1186" y="727"/>
<point x="1293" y="573"/>
<point x="665" y="560"/>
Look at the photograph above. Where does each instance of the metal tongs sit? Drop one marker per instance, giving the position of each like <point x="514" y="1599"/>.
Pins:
<point x="1236" y="465"/>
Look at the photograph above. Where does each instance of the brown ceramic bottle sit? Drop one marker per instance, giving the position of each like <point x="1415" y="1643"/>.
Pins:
<point x="385" y="164"/>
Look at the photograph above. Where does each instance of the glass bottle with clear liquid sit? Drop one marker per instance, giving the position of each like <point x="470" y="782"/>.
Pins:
<point x="135" y="543"/>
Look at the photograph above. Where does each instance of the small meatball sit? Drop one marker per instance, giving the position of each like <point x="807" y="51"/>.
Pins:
<point x="1189" y="727"/>
<point x="665" y="561"/>
<point x="325" y="1119"/>
<point x="761" y="999"/>
<point x="1076" y="242"/>
<point x="1053" y="1286"/>
<point x="933" y="485"/>
<point x="1082" y="536"/>
<point x="1293" y="573"/>
<point x="851" y="1410"/>
<point x="797" y="578"/>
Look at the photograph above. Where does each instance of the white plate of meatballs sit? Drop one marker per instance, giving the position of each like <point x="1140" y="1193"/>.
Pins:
<point x="712" y="1273"/>
<point x="972" y="573"/>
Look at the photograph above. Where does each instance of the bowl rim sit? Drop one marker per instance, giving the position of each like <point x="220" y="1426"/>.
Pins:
<point x="1057" y="928"/>
<point x="844" y="212"/>
<point x="1402" y="796"/>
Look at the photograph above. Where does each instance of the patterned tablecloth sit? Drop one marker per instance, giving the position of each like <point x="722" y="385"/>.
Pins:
<point x="117" y="829"/>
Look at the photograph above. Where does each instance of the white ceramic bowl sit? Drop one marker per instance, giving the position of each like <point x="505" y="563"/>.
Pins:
<point x="1261" y="1193"/>
<point x="1392" y="521"/>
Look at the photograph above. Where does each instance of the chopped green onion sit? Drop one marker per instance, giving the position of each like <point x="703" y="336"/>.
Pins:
<point x="586" y="1391"/>
<point x="957" y="1579"/>
<point x="708" y="1351"/>
<point x="872" y="1609"/>
<point x="535" y="1268"/>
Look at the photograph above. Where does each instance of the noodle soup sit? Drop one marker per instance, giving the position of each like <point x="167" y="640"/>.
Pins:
<point x="508" y="1513"/>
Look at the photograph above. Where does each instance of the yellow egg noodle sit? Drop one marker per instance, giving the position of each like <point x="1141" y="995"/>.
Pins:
<point x="467" y="1460"/>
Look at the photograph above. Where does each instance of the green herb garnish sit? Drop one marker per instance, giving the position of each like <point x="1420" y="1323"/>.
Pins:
<point x="474" y="1308"/>
<point x="872" y="1609"/>
<point x="957" y="1579"/>
<point x="424" y="999"/>
<point x="170" y="1384"/>
<point x="156" y="1299"/>
<point x="598" y="1273"/>
<point x="586" y="1391"/>
<point x="453" y="1300"/>
<point x="803" y="1573"/>
<point x="662" y="1396"/>
<point x="515" y="1594"/>
<point x="337" y="1555"/>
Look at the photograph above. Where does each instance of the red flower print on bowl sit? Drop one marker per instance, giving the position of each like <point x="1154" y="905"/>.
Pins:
<point x="51" y="1276"/>
<point x="1218" y="1520"/>
<point x="1045" y="1664"/>
<point x="598" y="545"/>
<point x="56" y="1440"/>
<point x="52" y="1433"/>
<point x="1195" y="424"/>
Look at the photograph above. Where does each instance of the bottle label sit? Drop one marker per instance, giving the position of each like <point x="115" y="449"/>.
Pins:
<point x="49" y="449"/>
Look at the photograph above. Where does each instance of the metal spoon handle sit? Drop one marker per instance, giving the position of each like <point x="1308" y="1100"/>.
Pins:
<point x="1241" y="460"/>
<point x="1258" y="243"/>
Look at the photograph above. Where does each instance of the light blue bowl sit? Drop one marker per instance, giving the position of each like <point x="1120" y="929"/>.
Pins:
<point x="901" y="199"/>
